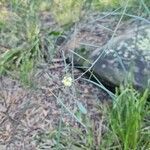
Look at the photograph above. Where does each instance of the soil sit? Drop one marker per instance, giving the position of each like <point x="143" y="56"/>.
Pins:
<point x="26" y="112"/>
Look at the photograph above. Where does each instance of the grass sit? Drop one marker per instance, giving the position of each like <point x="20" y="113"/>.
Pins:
<point x="124" y="124"/>
<point x="127" y="118"/>
<point x="22" y="38"/>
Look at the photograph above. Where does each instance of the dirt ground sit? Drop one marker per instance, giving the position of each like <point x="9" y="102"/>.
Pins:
<point x="26" y="112"/>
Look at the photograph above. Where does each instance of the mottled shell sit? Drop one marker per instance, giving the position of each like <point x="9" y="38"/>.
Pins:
<point x="113" y="57"/>
<point x="128" y="55"/>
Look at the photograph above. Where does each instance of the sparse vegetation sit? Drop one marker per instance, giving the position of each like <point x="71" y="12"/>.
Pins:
<point x="28" y="39"/>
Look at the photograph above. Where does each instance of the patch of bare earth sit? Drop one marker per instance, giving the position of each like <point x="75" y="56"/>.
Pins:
<point x="27" y="112"/>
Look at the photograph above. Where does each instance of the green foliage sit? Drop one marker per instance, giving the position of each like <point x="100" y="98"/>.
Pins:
<point x="102" y="4"/>
<point x="127" y="117"/>
<point x="7" y="59"/>
<point x="21" y="34"/>
<point x="26" y="70"/>
<point x="114" y="4"/>
<point x="70" y="11"/>
<point x="67" y="11"/>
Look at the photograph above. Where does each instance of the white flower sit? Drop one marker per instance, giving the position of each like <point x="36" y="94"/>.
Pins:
<point x="67" y="81"/>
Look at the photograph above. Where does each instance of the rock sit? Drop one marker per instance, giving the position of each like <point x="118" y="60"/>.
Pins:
<point x="113" y="60"/>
